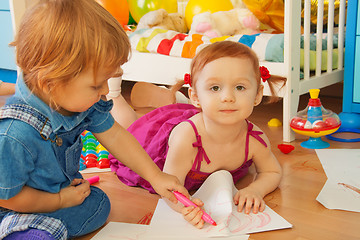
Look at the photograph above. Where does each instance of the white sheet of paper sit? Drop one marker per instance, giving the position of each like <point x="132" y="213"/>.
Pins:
<point x="337" y="196"/>
<point x="217" y="194"/>
<point x="128" y="231"/>
<point x="342" y="189"/>
<point x="121" y="231"/>
<point x="340" y="162"/>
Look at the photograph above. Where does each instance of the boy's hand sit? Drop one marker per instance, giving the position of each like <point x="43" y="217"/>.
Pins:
<point x="165" y="183"/>
<point x="248" y="198"/>
<point x="75" y="193"/>
<point x="193" y="214"/>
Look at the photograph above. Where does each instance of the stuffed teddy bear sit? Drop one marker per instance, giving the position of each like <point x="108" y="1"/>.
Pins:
<point x="162" y="19"/>
<point x="225" y="23"/>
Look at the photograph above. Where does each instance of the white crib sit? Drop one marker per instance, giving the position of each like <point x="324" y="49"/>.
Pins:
<point x="163" y="69"/>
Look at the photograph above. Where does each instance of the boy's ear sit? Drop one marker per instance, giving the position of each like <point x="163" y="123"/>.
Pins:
<point x="44" y="87"/>
<point x="259" y="95"/>
<point x="193" y="97"/>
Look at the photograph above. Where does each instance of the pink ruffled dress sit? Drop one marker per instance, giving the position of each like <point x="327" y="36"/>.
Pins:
<point x="152" y="131"/>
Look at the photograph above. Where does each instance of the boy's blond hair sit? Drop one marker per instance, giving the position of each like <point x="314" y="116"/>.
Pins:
<point x="58" y="39"/>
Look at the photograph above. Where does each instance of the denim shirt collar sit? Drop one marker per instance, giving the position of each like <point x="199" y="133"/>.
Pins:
<point x="56" y="119"/>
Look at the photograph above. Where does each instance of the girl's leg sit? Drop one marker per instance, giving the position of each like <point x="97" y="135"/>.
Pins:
<point x="7" y="88"/>
<point x="122" y="112"/>
<point x="145" y="94"/>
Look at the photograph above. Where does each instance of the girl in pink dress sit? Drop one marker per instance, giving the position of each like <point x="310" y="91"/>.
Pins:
<point x="191" y="141"/>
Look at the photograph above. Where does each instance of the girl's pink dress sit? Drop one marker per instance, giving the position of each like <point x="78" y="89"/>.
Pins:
<point x="152" y="131"/>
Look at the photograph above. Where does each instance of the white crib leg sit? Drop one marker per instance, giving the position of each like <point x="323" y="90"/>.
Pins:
<point x="290" y="106"/>
<point x="292" y="64"/>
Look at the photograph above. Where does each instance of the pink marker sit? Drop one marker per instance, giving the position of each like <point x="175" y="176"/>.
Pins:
<point x="187" y="202"/>
<point x="93" y="179"/>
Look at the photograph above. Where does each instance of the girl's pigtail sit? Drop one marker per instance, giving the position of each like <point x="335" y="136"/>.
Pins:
<point x="273" y="81"/>
<point x="180" y="83"/>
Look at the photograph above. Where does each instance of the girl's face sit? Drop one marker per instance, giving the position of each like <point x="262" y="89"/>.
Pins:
<point x="227" y="90"/>
<point x="82" y="92"/>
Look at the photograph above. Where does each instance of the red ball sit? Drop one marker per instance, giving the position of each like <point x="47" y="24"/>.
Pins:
<point x="90" y="156"/>
<point x="103" y="163"/>
<point x="331" y="122"/>
<point x="91" y="162"/>
<point x="297" y="122"/>
<point x="318" y="125"/>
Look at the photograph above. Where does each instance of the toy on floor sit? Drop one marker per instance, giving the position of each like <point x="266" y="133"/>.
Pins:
<point x="315" y="121"/>
<point x="93" y="153"/>
<point x="93" y="179"/>
<point x="274" y="122"/>
<point x="286" y="148"/>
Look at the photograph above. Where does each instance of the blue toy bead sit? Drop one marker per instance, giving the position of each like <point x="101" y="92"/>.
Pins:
<point x="82" y="166"/>
<point x="90" y="152"/>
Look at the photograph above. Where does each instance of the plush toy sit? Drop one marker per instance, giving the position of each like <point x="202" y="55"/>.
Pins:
<point x="225" y="23"/>
<point x="269" y="12"/>
<point x="162" y="19"/>
<point x="238" y="4"/>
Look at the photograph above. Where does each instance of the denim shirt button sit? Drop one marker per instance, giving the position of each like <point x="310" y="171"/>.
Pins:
<point x="59" y="141"/>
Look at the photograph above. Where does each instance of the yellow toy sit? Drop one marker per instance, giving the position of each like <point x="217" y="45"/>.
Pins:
<point x="269" y="12"/>
<point x="274" y="122"/>
<point x="140" y="8"/>
<point x="195" y="7"/>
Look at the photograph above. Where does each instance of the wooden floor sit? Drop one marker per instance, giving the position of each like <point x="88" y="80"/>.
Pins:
<point x="294" y="199"/>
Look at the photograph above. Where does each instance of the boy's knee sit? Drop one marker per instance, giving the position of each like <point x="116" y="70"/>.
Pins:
<point x="103" y="201"/>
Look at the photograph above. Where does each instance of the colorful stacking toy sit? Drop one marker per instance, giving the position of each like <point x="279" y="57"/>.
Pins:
<point x="93" y="153"/>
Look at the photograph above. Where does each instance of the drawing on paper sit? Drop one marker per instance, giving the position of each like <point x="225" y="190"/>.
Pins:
<point x="348" y="186"/>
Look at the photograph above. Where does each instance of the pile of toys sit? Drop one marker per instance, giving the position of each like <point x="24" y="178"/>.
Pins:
<point x="93" y="153"/>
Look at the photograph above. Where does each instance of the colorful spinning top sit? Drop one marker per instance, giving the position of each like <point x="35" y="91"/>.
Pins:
<point x="315" y="121"/>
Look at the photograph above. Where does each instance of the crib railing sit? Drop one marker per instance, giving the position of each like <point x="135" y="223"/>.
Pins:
<point x="296" y="87"/>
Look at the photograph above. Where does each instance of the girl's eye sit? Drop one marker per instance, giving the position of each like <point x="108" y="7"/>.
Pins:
<point x="240" y="88"/>
<point x="215" y="88"/>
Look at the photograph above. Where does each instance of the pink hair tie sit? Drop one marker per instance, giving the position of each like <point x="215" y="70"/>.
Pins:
<point x="264" y="73"/>
<point x="187" y="79"/>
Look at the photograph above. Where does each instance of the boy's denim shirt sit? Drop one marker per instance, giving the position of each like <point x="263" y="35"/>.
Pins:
<point x="27" y="159"/>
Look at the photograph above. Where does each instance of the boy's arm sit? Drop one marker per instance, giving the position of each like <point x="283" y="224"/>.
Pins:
<point x="124" y="147"/>
<point x="30" y="200"/>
